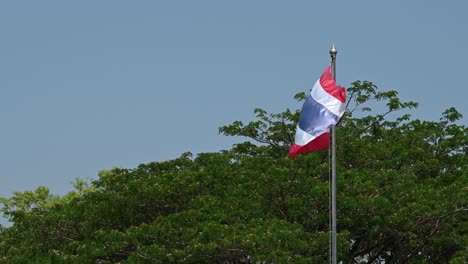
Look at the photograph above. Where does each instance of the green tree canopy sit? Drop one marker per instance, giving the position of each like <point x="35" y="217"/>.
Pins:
<point x="402" y="198"/>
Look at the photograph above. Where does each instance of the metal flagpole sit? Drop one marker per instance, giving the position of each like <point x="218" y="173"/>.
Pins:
<point x="333" y="168"/>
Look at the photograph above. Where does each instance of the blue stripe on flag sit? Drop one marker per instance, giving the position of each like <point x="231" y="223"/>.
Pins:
<point x="315" y="119"/>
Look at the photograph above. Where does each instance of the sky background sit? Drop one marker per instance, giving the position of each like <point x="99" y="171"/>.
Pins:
<point x="90" y="85"/>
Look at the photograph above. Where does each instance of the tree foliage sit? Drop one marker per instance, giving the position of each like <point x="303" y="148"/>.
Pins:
<point x="402" y="198"/>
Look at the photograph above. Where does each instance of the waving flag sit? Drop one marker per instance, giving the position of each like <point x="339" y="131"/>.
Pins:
<point x="322" y="109"/>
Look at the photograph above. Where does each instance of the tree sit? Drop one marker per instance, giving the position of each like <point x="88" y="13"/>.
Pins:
<point x="401" y="198"/>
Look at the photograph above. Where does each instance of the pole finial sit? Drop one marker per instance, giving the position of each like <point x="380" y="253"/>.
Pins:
<point x="333" y="50"/>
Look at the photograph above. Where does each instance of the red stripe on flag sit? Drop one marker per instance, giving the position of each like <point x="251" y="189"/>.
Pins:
<point x="329" y="85"/>
<point x="320" y="142"/>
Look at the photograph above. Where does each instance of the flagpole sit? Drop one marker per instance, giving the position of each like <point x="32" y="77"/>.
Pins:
<point x="333" y="169"/>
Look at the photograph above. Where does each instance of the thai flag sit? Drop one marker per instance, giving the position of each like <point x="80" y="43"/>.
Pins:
<point x="323" y="108"/>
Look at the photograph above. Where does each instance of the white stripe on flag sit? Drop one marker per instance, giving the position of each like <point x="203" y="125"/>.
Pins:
<point x="328" y="101"/>
<point x="302" y="137"/>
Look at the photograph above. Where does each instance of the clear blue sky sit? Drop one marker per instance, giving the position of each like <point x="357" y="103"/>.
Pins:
<point x="90" y="85"/>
